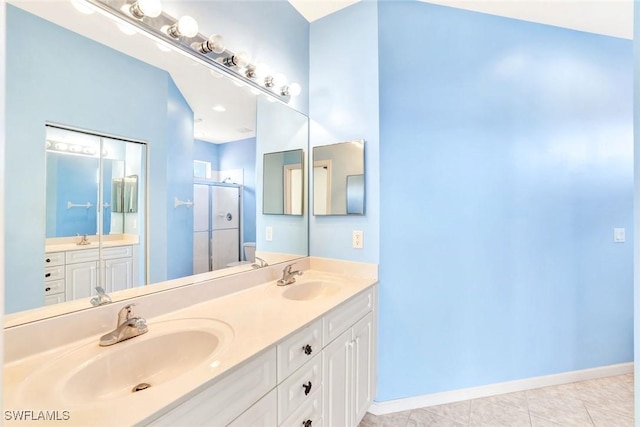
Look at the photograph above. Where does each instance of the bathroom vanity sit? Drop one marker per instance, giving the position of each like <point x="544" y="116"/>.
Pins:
<point x="71" y="270"/>
<point x="237" y="351"/>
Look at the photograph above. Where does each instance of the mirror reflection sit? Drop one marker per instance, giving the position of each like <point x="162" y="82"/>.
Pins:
<point x="110" y="83"/>
<point x="339" y="179"/>
<point x="283" y="183"/>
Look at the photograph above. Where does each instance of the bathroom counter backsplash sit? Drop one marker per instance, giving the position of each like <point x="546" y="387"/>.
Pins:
<point x="249" y="307"/>
<point x="61" y="244"/>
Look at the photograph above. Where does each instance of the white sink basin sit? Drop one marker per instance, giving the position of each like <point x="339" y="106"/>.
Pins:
<point x="91" y="373"/>
<point x="310" y="290"/>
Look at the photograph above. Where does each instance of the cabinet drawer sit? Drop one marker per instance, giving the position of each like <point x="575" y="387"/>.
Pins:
<point x="227" y="398"/>
<point x="262" y="414"/>
<point x="83" y="255"/>
<point x="299" y="348"/>
<point x="343" y="317"/>
<point x="309" y="414"/>
<point x="54" y="258"/>
<point x="117" y="252"/>
<point x="54" y="299"/>
<point x="299" y="387"/>
<point x="53" y="273"/>
<point x="54" y="287"/>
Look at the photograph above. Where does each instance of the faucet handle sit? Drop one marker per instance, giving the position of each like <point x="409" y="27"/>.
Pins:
<point x="125" y="313"/>
<point x="102" y="297"/>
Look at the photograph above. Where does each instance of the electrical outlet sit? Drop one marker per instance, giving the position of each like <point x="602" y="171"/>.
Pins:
<point x="619" y="235"/>
<point x="269" y="236"/>
<point x="357" y="237"/>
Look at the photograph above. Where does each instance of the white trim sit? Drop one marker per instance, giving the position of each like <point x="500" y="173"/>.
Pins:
<point x="382" y="408"/>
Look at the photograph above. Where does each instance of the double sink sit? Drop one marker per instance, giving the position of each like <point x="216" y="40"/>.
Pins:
<point x="87" y="373"/>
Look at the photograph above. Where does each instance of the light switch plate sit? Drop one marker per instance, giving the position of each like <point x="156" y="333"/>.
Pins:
<point x="269" y="235"/>
<point x="619" y="235"/>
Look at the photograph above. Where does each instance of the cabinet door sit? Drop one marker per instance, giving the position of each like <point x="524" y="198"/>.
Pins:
<point x="80" y="280"/>
<point x="262" y="414"/>
<point x="363" y="369"/>
<point x="118" y="274"/>
<point x="337" y="381"/>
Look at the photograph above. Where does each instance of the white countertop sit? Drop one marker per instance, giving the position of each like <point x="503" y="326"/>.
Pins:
<point x="259" y="317"/>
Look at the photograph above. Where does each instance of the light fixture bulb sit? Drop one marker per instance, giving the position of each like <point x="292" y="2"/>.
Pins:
<point x="240" y="60"/>
<point x="82" y="7"/>
<point x="262" y="70"/>
<point x="142" y="8"/>
<point x="215" y="44"/>
<point x="294" y="89"/>
<point x="185" y="27"/>
<point x="279" y="80"/>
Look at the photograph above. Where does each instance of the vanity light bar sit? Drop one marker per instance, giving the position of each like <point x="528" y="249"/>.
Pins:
<point x="70" y="148"/>
<point x="207" y="50"/>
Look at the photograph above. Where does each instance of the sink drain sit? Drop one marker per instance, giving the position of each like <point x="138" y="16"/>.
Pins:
<point x="140" y="387"/>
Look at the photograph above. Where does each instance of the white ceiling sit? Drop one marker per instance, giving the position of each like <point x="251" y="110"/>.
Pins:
<point x="608" y="17"/>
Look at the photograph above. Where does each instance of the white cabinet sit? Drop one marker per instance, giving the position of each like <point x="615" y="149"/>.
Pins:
<point x="80" y="280"/>
<point x="75" y="274"/>
<point x="303" y="381"/>
<point x="118" y="274"/>
<point x="349" y="361"/>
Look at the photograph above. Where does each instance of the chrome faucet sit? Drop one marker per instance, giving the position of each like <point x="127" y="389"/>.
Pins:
<point x="288" y="276"/>
<point x="128" y="327"/>
<point x="262" y="264"/>
<point x="83" y="241"/>
<point x="102" y="298"/>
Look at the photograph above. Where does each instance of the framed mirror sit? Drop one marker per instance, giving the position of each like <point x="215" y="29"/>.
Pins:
<point x="339" y="179"/>
<point x="102" y="80"/>
<point x="283" y="183"/>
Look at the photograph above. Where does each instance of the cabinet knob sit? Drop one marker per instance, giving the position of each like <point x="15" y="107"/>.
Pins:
<point x="306" y="423"/>
<point x="47" y="289"/>
<point x="307" y="349"/>
<point x="48" y="260"/>
<point x="47" y="275"/>
<point x="307" y="388"/>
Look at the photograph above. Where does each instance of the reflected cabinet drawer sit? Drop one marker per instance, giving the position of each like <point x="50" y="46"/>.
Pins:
<point x="54" y="287"/>
<point x="53" y="273"/>
<point x="117" y="252"/>
<point x="82" y="255"/>
<point x="54" y="258"/>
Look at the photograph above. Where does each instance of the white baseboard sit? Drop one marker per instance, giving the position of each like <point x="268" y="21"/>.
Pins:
<point x="381" y="408"/>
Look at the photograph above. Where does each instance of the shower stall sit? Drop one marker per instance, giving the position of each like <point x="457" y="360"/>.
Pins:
<point x="216" y="225"/>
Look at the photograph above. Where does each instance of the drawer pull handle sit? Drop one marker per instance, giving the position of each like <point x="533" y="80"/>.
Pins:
<point x="47" y="289"/>
<point x="48" y="260"/>
<point x="47" y="275"/>
<point x="307" y="349"/>
<point x="307" y="388"/>
<point x="306" y="423"/>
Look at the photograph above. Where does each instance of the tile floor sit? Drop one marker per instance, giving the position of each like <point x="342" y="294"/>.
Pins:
<point x="605" y="402"/>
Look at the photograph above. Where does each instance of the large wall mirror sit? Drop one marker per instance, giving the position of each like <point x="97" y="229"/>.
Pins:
<point x="198" y="160"/>
<point x="339" y="179"/>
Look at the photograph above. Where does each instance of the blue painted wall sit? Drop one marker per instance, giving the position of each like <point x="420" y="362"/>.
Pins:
<point x="179" y="184"/>
<point x="636" y="265"/>
<point x="207" y="152"/>
<point x="242" y="155"/>
<point x="506" y="162"/>
<point x="344" y="105"/>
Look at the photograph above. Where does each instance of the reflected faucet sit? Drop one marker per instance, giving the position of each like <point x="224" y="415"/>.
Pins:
<point x="102" y="298"/>
<point x="84" y="240"/>
<point x="288" y="276"/>
<point x="128" y="327"/>
<point x="262" y="264"/>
